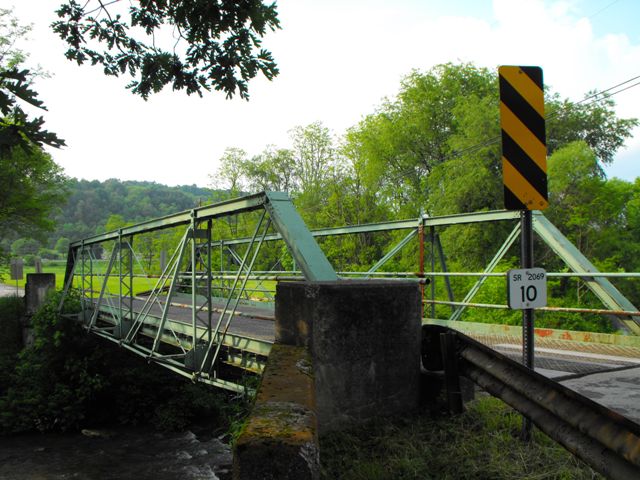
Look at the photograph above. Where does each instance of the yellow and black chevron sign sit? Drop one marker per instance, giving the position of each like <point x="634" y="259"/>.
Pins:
<point x="524" y="147"/>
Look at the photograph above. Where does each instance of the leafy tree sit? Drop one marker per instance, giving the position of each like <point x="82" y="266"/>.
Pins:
<point x="62" y="245"/>
<point x="33" y="185"/>
<point x="114" y="222"/>
<point x="25" y="246"/>
<point x="230" y="173"/>
<point x="592" y="120"/>
<point x="16" y="128"/>
<point x="437" y="146"/>
<point x="37" y="187"/>
<point x="274" y="169"/>
<point x="209" y="44"/>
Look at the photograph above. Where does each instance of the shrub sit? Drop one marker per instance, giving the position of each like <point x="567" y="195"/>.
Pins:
<point x="69" y="379"/>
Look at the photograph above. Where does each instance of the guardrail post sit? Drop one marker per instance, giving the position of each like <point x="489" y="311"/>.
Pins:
<point x="451" y="376"/>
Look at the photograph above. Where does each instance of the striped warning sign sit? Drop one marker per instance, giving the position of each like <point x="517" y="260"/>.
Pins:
<point x="524" y="148"/>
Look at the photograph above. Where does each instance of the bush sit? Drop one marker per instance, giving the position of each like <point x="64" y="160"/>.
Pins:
<point x="11" y="311"/>
<point x="48" y="254"/>
<point x="69" y="380"/>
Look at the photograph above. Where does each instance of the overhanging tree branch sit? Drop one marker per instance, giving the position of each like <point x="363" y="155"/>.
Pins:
<point x="223" y="40"/>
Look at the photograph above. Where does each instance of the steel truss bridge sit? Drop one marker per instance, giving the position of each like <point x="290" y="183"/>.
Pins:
<point x="193" y="291"/>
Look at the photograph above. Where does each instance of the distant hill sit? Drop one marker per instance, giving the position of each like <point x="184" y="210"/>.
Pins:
<point x="91" y="203"/>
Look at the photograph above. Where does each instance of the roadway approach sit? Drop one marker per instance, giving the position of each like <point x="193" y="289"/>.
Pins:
<point x="607" y="374"/>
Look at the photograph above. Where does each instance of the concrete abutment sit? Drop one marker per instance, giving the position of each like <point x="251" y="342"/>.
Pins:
<point x="346" y="352"/>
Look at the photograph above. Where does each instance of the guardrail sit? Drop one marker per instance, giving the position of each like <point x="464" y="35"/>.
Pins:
<point x="602" y="438"/>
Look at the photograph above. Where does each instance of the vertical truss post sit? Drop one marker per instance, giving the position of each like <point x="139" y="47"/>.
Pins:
<point x="127" y="284"/>
<point x="120" y="275"/>
<point x="72" y="258"/>
<point x="83" y="294"/>
<point x="131" y="277"/>
<point x="221" y="281"/>
<point x="443" y="263"/>
<point x="209" y="280"/>
<point x="214" y="336"/>
<point x="432" y="241"/>
<point x="194" y="268"/>
<point x="421" y="263"/>
<point x="91" y="272"/>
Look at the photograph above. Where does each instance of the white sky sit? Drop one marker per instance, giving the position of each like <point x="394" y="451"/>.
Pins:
<point x="337" y="60"/>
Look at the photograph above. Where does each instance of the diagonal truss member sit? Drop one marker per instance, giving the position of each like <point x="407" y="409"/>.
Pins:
<point x="195" y="347"/>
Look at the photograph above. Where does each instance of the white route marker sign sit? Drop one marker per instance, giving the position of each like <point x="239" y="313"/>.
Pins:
<point x="527" y="288"/>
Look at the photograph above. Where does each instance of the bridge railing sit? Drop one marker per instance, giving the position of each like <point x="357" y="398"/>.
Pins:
<point x="172" y="288"/>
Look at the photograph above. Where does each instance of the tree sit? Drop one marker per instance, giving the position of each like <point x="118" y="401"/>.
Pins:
<point x="25" y="246"/>
<point x="62" y="245"/>
<point x="33" y="185"/>
<point x="35" y="189"/>
<point x="16" y="128"/>
<point x="409" y="136"/>
<point x="274" y="169"/>
<point x="230" y="173"/>
<point x="437" y="146"/>
<point x="208" y="43"/>
<point x="592" y="120"/>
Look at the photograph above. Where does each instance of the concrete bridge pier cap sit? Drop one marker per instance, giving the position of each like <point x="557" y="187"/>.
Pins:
<point x="364" y="340"/>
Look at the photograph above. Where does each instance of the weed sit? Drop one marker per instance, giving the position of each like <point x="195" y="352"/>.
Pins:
<point x="482" y="443"/>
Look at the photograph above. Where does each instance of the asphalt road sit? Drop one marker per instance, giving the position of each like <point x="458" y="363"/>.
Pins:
<point x="10" y="291"/>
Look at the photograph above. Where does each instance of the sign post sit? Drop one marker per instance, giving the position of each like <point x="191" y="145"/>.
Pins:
<point x="524" y="168"/>
<point x="16" y="272"/>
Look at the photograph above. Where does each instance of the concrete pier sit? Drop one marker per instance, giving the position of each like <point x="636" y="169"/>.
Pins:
<point x="36" y="289"/>
<point x="364" y="339"/>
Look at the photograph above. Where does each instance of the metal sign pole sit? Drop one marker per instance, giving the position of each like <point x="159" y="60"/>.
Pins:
<point x="526" y="261"/>
<point x="524" y="171"/>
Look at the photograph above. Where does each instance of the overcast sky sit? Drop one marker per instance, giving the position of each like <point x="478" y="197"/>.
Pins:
<point x="338" y="59"/>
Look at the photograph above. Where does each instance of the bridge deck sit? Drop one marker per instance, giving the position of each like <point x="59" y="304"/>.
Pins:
<point x="554" y="358"/>
<point x="248" y="321"/>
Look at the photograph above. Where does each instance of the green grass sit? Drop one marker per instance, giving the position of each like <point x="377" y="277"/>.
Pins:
<point x="482" y="443"/>
<point x="56" y="268"/>
<point x="139" y="283"/>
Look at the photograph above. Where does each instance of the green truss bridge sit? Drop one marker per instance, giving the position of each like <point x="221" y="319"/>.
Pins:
<point x="193" y="291"/>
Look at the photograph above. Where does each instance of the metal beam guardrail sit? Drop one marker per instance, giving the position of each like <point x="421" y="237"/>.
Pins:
<point x="602" y="438"/>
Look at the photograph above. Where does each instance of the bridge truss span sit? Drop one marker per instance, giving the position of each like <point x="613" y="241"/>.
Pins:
<point x="193" y="291"/>
<point x="134" y="297"/>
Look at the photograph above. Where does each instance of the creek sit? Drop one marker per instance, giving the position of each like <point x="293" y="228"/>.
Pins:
<point x="139" y="453"/>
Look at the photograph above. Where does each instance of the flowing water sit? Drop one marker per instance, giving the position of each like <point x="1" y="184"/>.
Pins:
<point x="121" y="453"/>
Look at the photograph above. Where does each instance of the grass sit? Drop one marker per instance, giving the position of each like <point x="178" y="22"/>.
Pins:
<point x="57" y="268"/>
<point x="482" y="443"/>
<point x="140" y="284"/>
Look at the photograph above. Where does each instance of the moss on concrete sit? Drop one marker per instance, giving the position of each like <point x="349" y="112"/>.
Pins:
<point x="280" y="437"/>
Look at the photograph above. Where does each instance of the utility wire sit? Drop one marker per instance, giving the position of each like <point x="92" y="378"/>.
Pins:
<point x="598" y="96"/>
<point x="603" y="9"/>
